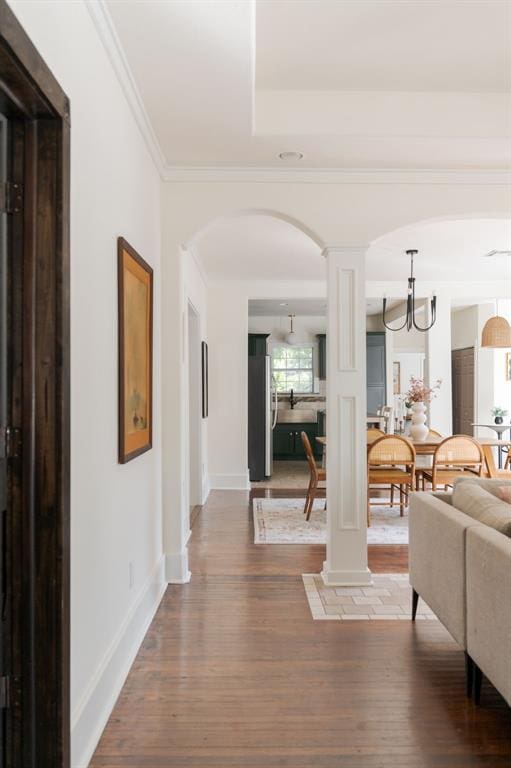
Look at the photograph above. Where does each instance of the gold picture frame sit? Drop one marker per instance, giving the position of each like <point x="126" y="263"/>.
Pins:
<point x="135" y="307"/>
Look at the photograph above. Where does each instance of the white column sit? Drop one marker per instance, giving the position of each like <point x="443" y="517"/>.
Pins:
<point x="346" y="551"/>
<point x="438" y="364"/>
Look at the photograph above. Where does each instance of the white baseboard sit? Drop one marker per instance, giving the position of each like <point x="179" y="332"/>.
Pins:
<point x="362" y="578"/>
<point x="229" y="482"/>
<point x="93" y="710"/>
<point x="176" y="567"/>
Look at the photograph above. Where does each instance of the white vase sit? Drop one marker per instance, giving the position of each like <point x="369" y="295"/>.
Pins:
<point x="419" y="431"/>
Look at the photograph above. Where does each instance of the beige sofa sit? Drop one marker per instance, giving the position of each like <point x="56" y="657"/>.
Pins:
<point x="460" y="564"/>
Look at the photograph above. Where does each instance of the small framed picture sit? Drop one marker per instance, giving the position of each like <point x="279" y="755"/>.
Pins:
<point x="508" y="366"/>
<point x="396" y="377"/>
<point x="205" y="382"/>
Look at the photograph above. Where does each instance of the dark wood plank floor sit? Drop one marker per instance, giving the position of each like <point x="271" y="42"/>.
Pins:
<point x="233" y="672"/>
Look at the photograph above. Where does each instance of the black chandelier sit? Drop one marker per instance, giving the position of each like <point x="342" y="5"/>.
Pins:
<point x="409" y="322"/>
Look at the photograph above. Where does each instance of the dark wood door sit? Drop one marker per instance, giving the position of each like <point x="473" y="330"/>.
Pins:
<point x="5" y="629"/>
<point x="463" y="391"/>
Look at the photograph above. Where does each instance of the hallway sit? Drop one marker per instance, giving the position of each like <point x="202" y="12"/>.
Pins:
<point x="233" y="672"/>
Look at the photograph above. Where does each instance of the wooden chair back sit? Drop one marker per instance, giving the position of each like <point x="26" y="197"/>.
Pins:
<point x="309" y="454"/>
<point x="459" y="451"/>
<point x="391" y="451"/>
<point x="373" y="433"/>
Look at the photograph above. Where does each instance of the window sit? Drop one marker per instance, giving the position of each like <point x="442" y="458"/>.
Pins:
<point x="292" y="368"/>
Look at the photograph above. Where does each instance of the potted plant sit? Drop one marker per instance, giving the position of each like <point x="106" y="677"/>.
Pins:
<point x="419" y="395"/>
<point x="498" y="414"/>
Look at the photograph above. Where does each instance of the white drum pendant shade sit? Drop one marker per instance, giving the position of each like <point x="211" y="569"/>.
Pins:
<point x="496" y="333"/>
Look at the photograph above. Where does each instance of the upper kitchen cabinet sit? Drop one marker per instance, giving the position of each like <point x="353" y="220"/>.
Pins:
<point x="322" y="355"/>
<point x="257" y="344"/>
<point x="376" y="375"/>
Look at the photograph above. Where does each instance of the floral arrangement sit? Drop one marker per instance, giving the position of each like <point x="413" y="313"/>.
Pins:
<point x="497" y="411"/>
<point x="419" y="392"/>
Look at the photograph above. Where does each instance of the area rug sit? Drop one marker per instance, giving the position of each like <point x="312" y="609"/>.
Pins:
<point x="281" y="521"/>
<point x="389" y="598"/>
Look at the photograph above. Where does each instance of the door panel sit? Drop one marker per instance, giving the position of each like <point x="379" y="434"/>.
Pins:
<point x="463" y="391"/>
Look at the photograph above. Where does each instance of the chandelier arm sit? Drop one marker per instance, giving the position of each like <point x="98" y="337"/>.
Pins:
<point x="433" y="318"/>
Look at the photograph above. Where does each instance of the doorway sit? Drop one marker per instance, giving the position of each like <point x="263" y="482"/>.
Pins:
<point x="463" y="371"/>
<point x="194" y="414"/>
<point x="34" y="407"/>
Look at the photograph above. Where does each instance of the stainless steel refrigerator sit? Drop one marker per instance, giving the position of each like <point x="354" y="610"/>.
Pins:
<point x="262" y="416"/>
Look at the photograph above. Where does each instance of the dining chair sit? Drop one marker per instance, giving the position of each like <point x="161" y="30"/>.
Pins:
<point x="390" y="461"/>
<point x="453" y="457"/>
<point x="373" y="433"/>
<point x="491" y="470"/>
<point x="317" y="475"/>
<point x="424" y="462"/>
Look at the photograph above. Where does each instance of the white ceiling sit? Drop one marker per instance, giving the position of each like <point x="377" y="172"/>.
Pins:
<point x="260" y="247"/>
<point x="372" y="84"/>
<point x="389" y="46"/>
<point x="284" y="307"/>
<point x="448" y="251"/>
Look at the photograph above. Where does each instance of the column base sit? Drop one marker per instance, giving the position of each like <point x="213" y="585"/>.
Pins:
<point x="362" y="578"/>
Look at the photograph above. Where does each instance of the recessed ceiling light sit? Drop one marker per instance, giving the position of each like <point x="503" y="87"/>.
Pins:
<point x="283" y="304"/>
<point x="497" y="253"/>
<point x="290" y="155"/>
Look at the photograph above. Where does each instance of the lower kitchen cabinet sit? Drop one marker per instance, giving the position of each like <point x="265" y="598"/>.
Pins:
<point x="287" y="441"/>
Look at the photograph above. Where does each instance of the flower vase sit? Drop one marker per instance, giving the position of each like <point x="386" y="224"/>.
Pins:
<point x="419" y="430"/>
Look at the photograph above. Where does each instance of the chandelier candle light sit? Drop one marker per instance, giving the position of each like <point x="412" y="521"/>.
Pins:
<point x="419" y="394"/>
<point x="409" y="322"/>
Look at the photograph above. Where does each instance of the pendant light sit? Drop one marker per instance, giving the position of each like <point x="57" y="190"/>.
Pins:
<point x="496" y="332"/>
<point x="291" y="336"/>
<point x="410" y="321"/>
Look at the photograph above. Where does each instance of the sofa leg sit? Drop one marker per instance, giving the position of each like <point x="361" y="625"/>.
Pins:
<point x="469" y="675"/>
<point x="415" y="603"/>
<point x="478" y="681"/>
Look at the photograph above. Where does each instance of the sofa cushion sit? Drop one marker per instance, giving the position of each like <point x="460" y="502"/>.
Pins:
<point x="474" y="500"/>
<point x="491" y="485"/>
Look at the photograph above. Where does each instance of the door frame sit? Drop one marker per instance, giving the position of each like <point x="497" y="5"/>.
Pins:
<point x="39" y="706"/>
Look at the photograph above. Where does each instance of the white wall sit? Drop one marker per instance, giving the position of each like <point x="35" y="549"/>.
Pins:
<point x="115" y="510"/>
<point x="228" y="325"/>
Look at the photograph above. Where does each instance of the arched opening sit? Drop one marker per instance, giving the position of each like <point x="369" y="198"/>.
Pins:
<point x="454" y="261"/>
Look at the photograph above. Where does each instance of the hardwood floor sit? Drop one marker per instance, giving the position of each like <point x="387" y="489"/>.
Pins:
<point x="233" y="672"/>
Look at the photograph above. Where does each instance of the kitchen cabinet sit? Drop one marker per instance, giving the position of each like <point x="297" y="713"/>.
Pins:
<point x="322" y="355"/>
<point x="257" y="344"/>
<point x="287" y="441"/>
<point x="376" y="373"/>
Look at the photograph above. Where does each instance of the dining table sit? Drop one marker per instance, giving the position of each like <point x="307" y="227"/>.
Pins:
<point x="427" y="448"/>
<point x="500" y="429"/>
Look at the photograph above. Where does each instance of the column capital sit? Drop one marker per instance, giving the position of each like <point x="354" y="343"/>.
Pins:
<point x="339" y="250"/>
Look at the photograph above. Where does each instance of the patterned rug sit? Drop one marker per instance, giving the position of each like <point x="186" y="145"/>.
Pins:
<point x="281" y="521"/>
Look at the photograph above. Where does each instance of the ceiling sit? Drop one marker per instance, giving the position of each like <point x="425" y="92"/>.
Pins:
<point x="260" y="247"/>
<point x="350" y="84"/>
<point x="284" y="307"/>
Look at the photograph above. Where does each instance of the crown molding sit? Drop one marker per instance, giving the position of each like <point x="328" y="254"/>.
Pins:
<point x="335" y="176"/>
<point x="105" y="28"/>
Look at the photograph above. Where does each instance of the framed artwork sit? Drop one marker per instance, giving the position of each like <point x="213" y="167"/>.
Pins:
<point x="205" y="393"/>
<point x="135" y="307"/>
<point x="396" y="377"/>
<point x="508" y="366"/>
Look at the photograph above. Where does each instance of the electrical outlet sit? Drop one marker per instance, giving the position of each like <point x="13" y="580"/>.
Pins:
<point x="131" y="575"/>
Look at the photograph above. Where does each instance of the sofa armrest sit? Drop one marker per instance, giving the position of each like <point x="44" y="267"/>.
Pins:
<point x="437" y="559"/>
<point x="488" y="605"/>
